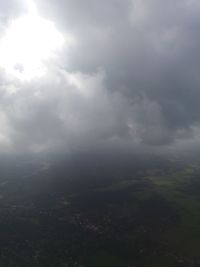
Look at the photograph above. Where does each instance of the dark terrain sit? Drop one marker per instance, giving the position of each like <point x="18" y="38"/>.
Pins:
<point x="139" y="212"/>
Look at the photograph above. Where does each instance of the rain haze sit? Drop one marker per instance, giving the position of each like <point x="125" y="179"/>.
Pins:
<point x="100" y="133"/>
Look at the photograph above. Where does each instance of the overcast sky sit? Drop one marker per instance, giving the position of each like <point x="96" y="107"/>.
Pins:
<point x="127" y="76"/>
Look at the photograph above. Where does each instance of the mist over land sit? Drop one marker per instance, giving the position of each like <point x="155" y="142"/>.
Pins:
<point x="99" y="210"/>
<point x="99" y="133"/>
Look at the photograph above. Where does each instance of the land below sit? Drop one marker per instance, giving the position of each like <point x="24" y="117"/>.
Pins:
<point x="103" y="213"/>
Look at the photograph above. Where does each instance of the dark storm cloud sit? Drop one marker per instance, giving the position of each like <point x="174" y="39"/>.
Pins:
<point x="131" y="79"/>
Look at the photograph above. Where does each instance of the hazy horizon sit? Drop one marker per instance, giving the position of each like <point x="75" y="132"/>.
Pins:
<point x="99" y="133"/>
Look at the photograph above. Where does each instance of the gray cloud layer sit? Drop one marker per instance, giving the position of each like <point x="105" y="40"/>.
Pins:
<point x="131" y="79"/>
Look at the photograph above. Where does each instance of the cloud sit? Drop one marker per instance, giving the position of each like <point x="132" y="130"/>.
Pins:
<point x="131" y="79"/>
<point x="73" y="110"/>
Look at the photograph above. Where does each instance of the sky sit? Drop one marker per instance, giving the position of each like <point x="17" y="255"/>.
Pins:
<point x="86" y="75"/>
